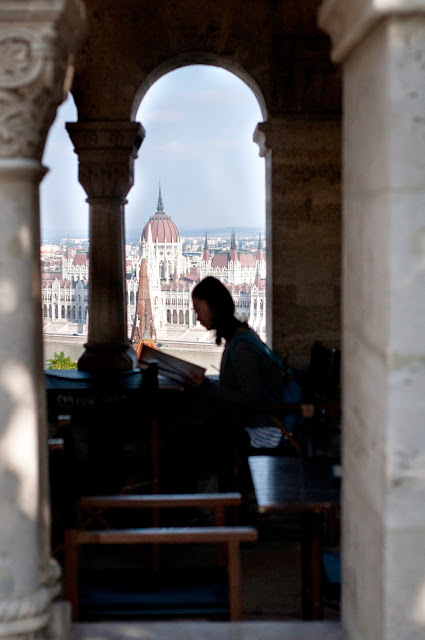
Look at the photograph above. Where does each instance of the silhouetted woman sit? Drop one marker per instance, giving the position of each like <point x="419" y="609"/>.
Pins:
<point x="250" y="373"/>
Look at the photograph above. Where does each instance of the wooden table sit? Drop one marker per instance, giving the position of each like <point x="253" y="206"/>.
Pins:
<point x="307" y="486"/>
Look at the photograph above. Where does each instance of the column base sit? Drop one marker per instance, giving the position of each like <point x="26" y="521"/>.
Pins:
<point x="108" y="356"/>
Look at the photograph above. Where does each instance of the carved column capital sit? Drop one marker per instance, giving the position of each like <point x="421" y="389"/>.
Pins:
<point x="260" y="137"/>
<point x="291" y="134"/>
<point x="106" y="152"/>
<point x="36" y="41"/>
<point x="347" y="23"/>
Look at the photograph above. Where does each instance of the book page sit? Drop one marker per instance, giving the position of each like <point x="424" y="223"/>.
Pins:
<point x="170" y="366"/>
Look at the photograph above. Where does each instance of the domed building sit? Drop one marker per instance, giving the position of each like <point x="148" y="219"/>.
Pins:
<point x="161" y="240"/>
<point x="171" y="277"/>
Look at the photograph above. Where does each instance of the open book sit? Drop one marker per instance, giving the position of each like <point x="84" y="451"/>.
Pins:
<point x="169" y="366"/>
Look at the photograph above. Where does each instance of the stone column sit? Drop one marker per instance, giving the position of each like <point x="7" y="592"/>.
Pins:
<point x="382" y="49"/>
<point x="303" y="161"/>
<point x="106" y="153"/>
<point x="36" y="39"/>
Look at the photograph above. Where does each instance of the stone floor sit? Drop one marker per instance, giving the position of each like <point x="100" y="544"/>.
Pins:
<point x="269" y="630"/>
<point x="271" y="592"/>
<point x="271" y="599"/>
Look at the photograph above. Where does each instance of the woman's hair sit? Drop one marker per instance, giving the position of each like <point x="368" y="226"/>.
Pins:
<point x="221" y="304"/>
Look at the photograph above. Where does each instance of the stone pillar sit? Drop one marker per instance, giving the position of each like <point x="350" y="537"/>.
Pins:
<point x="106" y="153"/>
<point x="303" y="161"/>
<point x="382" y="49"/>
<point x="36" y="39"/>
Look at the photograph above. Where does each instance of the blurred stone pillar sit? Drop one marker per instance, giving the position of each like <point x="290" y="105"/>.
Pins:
<point x="107" y="151"/>
<point x="303" y="162"/>
<point x="36" y="39"/>
<point x="381" y="46"/>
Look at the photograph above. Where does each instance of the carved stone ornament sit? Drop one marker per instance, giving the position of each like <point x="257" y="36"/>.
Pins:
<point x="347" y="22"/>
<point x="34" y="58"/>
<point x="25" y="615"/>
<point x="106" y="151"/>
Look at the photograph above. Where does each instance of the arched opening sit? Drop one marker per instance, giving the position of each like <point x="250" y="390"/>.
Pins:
<point x="199" y="122"/>
<point x="64" y="227"/>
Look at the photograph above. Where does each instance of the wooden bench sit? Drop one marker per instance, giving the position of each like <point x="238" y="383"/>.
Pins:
<point x="227" y="537"/>
<point x="93" y="508"/>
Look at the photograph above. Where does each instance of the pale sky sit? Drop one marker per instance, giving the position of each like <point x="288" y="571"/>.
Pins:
<point x="199" y="123"/>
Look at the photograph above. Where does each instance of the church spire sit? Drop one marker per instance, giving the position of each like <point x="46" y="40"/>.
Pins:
<point x="233" y="248"/>
<point x="206" y="254"/>
<point x="233" y="241"/>
<point x="143" y="330"/>
<point x="260" y="254"/>
<point x="160" y="205"/>
<point x="257" y="280"/>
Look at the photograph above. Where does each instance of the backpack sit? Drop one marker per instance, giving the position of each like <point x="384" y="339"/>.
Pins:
<point x="291" y="392"/>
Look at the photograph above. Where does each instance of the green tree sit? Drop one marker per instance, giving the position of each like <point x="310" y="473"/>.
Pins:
<point x="61" y="361"/>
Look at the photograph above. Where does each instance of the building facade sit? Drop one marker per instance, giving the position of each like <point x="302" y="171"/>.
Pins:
<point x="172" y="277"/>
<point x="65" y="295"/>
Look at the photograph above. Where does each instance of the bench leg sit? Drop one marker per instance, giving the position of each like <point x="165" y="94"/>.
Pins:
<point x="234" y="572"/>
<point x="311" y="567"/>
<point x="70" y="574"/>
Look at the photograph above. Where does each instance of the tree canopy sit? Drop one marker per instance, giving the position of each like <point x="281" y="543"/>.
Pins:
<point x="61" y="361"/>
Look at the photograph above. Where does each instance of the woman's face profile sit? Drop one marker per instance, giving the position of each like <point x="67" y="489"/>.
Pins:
<point x="204" y="313"/>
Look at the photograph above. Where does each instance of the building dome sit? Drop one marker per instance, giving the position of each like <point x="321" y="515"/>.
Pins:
<point x="162" y="227"/>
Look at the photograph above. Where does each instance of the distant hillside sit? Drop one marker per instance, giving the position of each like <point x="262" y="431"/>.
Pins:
<point x="133" y="235"/>
<point x="219" y="231"/>
<point x="54" y="235"/>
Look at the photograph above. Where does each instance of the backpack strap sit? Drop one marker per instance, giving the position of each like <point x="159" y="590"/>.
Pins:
<point x="259" y="345"/>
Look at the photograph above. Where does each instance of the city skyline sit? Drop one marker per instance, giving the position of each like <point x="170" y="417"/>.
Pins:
<point x="199" y="124"/>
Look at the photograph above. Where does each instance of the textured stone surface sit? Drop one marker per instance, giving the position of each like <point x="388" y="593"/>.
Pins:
<point x="290" y="72"/>
<point x="209" y="631"/>
<point x="384" y="329"/>
<point x="305" y="231"/>
<point x="33" y="66"/>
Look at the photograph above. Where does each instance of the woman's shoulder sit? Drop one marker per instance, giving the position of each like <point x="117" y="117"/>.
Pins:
<point x="246" y="339"/>
<point x="245" y="334"/>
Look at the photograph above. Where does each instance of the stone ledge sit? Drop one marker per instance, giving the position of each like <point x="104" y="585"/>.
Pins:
<point x="347" y="22"/>
<point x="207" y="630"/>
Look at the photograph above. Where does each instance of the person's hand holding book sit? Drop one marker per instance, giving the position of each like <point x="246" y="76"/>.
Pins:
<point x="195" y="378"/>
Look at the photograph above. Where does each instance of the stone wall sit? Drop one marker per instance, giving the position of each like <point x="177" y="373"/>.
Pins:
<point x="277" y="49"/>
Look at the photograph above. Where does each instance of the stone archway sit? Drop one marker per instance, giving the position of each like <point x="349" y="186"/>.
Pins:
<point x="197" y="58"/>
<point x="240" y="76"/>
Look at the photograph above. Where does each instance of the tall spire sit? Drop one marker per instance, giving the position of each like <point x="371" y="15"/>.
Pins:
<point x="160" y="206"/>
<point x="233" y="240"/>
<point x="206" y="254"/>
<point x="257" y="280"/>
<point x="143" y="327"/>
<point x="233" y="248"/>
<point x="260" y="254"/>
